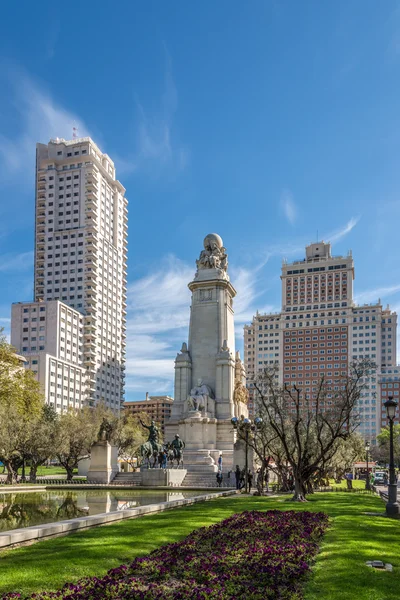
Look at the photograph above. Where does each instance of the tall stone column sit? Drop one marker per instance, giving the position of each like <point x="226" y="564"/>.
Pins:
<point x="205" y="369"/>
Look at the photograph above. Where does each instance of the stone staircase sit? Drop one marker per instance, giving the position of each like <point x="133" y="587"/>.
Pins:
<point x="196" y="479"/>
<point x="193" y="479"/>
<point x="128" y="479"/>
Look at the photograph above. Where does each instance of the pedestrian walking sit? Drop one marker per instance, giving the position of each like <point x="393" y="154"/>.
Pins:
<point x="219" y="478"/>
<point x="249" y="479"/>
<point x="237" y="477"/>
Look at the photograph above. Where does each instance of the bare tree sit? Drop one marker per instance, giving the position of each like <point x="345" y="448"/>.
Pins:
<point x="308" y="426"/>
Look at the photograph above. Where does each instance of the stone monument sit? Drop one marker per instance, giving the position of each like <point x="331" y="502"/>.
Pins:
<point x="209" y="376"/>
<point x="103" y="456"/>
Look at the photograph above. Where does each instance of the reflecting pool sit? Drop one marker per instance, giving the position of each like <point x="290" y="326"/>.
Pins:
<point x="36" y="508"/>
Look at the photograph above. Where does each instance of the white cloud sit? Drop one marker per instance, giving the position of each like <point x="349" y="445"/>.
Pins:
<point x="340" y="233"/>
<point x="40" y="118"/>
<point x="288" y="206"/>
<point x="378" y="293"/>
<point x="16" y="262"/>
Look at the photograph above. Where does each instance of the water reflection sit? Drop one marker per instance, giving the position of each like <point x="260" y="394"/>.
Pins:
<point x="36" y="508"/>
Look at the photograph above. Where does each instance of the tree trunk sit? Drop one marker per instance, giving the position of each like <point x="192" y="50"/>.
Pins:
<point x="70" y="472"/>
<point x="308" y="487"/>
<point x="33" y="473"/>
<point x="12" y="474"/>
<point x="299" y="492"/>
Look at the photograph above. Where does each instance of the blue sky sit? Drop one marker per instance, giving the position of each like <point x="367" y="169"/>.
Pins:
<point x="264" y="121"/>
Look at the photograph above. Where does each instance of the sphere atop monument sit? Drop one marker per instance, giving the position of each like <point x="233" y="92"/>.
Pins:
<point x="213" y="238"/>
<point x="213" y="260"/>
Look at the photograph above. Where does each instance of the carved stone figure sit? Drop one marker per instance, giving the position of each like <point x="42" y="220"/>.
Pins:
<point x="198" y="399"/>
<point x="240" y="393"/>
<point x="214" y="255"/>
<point x="105" y="431"/>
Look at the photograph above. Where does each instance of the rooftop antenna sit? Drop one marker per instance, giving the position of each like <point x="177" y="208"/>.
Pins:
<point x="74" y="132"/>
<point x="317" y="235"/>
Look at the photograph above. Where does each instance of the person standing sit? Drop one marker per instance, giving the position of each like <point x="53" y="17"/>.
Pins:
<point x="249" y="479"/>
<point x="220" y="462"/>
<point x="237" y="477"/>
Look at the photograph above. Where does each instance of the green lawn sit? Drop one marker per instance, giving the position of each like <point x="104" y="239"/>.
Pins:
<point x="339" y="574"/>
<point x="45" y="471"/>
<point x="358" y="484"/>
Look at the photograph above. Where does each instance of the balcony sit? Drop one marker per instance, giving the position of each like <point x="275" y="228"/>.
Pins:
<point x="89" y="360"/>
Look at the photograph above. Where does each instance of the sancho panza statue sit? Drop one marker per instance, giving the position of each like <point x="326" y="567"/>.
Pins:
<point x="199" y="396"/>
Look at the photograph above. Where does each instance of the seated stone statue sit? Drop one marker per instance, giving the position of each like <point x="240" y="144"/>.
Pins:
<point x="198" y="399"/>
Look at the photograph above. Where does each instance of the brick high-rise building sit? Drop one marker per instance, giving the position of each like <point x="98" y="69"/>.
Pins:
<point x="79" y="278"/>
<point x="157" y="408"/>
<point x="320" y="330"/>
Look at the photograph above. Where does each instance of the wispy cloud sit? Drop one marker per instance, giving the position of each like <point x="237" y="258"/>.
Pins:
<point x="16" y="262"/>
<point x="337" y="235"/>
<point x="157" y="142"/>
<point x="295" y="247"/>
<point x="288" y="206"/>
<point x="40" y="118"/>
<point x="373" y="295"/>
<point x="157" y="324"/>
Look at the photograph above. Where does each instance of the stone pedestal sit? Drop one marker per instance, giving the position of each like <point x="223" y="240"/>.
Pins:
<point x="103" y="462"/>
<point x="83" y="467"/>
<point x="162" y="477"/>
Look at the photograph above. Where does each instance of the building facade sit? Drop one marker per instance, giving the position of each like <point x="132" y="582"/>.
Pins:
<point x="79" y="273"/>
<point x="158" y="408"/>
<point x="320" y="331"/>
<point x="389" y="385"/>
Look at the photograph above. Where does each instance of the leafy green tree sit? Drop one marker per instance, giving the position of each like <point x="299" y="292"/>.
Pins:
<point x="76" y="432"/>
<point x="348" y="451"/>
<point x="40" y="443"/>
<point x="20" y="403"/>
<point x="383" y="445"/>
<point x="130" y="435"/>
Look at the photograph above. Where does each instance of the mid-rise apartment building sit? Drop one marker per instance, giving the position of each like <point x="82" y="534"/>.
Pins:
<point x="320" y="330"/>
<point x="80" y="273"/>
<point x="389" y="384"/>
<point x="158" y="408"/>
<point x="50" y="337"/>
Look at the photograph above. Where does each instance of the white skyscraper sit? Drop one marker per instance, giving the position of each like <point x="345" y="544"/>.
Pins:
<point x="79" y="279"/>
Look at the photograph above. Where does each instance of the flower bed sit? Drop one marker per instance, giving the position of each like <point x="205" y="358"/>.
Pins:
<point x="252" y="555"/>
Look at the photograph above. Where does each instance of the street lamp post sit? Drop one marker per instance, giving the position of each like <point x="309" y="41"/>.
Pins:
<point x="392" y="506"/>
<point x="245" y="426"/>
<point x="368" y="482"/>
